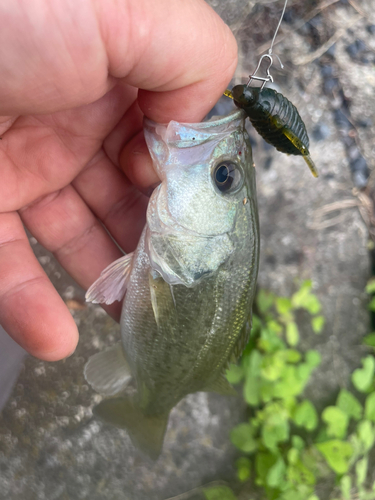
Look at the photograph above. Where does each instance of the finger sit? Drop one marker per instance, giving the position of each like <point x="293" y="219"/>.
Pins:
<point x="130" y="124"/>
<point x="114" y="200"/>
<point x="181" y="48"/>
<point x="31" y="310"/>
<point x="182" y="54"/>
<point x="65" y="226"/>
<point x="126" y="147"/>
<point x="137" y="165"/>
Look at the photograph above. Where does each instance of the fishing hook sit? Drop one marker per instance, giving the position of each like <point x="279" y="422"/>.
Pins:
<point x="268" y="77"/>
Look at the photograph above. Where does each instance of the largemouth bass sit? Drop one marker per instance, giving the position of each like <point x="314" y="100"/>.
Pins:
<point x="189" y="285"/>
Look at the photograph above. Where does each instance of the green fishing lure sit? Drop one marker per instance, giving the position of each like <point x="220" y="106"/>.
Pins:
<point x="276" y="119"/>
<point x="272" y="115"/>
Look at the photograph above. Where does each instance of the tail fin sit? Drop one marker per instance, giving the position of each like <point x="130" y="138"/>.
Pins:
<point x="146" y="432"/>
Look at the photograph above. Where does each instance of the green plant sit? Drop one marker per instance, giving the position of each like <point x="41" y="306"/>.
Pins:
<point x="288" y="447"/>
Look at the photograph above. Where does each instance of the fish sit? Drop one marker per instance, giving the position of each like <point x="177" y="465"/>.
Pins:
<point x="188" y="287"/>
<point x="276" y="119"/>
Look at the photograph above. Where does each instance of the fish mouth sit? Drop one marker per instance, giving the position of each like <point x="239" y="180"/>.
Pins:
<point x="187" y="135"/>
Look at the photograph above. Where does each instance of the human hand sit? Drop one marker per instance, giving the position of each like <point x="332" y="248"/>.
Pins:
<point x="72" y="149"/>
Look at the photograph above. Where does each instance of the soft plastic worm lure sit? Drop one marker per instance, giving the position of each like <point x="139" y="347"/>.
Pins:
<point x="272" y="115"/>
<point x="276" y="119"/>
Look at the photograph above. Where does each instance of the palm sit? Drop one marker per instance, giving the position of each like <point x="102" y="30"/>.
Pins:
<point x="73" y="156"/>
<point x="62" y="175"/>
<point x="67" y="169"/>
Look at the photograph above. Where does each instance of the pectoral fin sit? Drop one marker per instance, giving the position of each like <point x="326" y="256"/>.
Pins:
<point x="163" y="304"/>
<point x="111" y="285"/>
<point x="146" y="432"/>
<point x="108" y="372"/>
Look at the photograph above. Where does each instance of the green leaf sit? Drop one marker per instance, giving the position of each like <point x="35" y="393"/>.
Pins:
<point x="267" y="391"/>
<point x="292" y="356"/>
<point x="256" y="323"/>
<point x="298" y="442"/>
<point x="292" y="456"/>
<point x="276" y="475"/>
<point x="293" y="494"/>
<point x="299" y="297"/>
<point x="273" y="366"/>
<point x="219" y="493"/>
<point x="242" y="436"/>
<point x="313" y="358"/>
<point x="337" y="454"/>
<point x="290" y="384"/>
<point x="349" y="404"/>
<point x="361" y="471"/>
<point x="317" y="324"/>
<point x="370" y="287"/>
<point x="275" y="430"/>
<point x="370" y="407"/>
<point x="292" y="334"/>
<point x="283" y="305"/>
<point x="299" y="474"/>
<point x="243" y="465"/>
<point x="366" y="434"/>
<point x="312" y="304"/>
<point x="369" y="340"/>
<point x="263" y="463"/>
<point x="337" y="421"/>
<point x="303" y="298"/>
<point x="346" y="486"/>
<point x="362" y="377"/>
<point x="251" y="390"/>
<point x="264" y="300"/>
<point x="306" y="416"/>
<point x="371" y="305"/>
<point x="270" y="341"/>
<point x="274" y="327"/>
<point x="251" y="386"/>
<point x="235" y="374"/>
<point x="254" y="363"/>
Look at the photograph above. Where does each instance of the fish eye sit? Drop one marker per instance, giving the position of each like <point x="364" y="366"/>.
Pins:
<point x="227" y="176"/>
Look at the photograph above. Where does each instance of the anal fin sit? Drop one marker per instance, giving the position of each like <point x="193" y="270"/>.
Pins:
<point x="111" y="285"/>
<point x="146" y="432"/>
<point x="108" y="372"/>
<point x="221" y="386"/>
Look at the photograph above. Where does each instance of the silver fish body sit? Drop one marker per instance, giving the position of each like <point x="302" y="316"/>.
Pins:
<point x="191" y="281"/>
